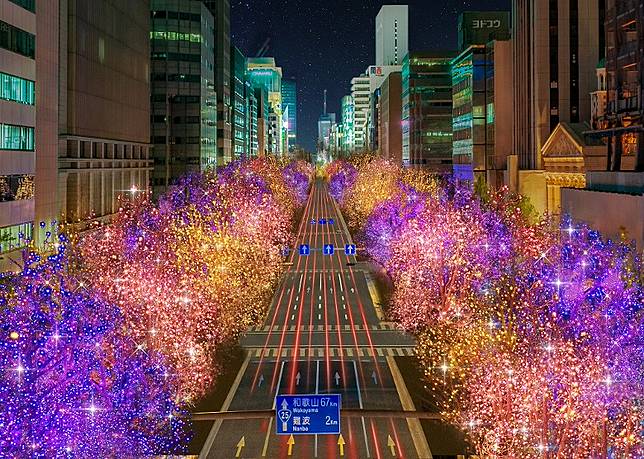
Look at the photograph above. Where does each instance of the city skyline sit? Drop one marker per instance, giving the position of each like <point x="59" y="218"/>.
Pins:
<point x="321" y="53"/>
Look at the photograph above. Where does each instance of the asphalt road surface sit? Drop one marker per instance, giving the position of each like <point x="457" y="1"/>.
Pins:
<point x="323" y="334"/>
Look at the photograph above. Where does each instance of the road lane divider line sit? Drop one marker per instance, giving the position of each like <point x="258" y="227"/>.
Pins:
<point x="415" y="429"/>
<point x="205" y="450"/>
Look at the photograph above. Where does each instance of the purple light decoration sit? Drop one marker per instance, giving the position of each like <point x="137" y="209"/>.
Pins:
<point x="342" y="176"/>
<point x="71" y="383"/>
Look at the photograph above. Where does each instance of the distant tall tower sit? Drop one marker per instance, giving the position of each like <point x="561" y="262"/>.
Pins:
<point x="392" y="34"/>
<point x="325" y="101"/>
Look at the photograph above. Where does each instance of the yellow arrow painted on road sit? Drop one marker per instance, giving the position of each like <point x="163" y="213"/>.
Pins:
<point x="392" y="445"/>
<point x="240" y="446"/>
<point x="290" y="443"/>
<point x="341" y="444"/>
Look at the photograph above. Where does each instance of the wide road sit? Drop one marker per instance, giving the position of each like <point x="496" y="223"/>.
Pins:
<point x="323" y="334"/>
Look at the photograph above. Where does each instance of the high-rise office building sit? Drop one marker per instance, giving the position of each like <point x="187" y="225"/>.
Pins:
<point x="392" y="34"/>
<point x="360" y="92"/>
<point x="240" y="104"/>
<point x="184" y="113"/>
<point x="427" y="110"/>
<point x="325" y="124"/>
<point x="17" y="125"/>
<point x="482" y="112"/>
<point x="289" y="102"/>
<point x="252" y="120"/>
<point x="390" y="115"/>
<point x="103" y="107"/>
<point x="377" y="76"/>
<point x="263" y="113"/>
<point x="556" y="47"/>
<point x="220" y="10"/>
<point x="346" y="139"/>
<point x="623" y="121"/>
<point x="263" y="72"/>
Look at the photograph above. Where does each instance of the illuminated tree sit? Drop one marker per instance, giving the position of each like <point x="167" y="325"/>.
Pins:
<point x="72" y="383"/>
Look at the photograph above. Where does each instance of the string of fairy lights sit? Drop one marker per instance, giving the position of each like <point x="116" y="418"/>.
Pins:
<point x="105" y="344"/>
<point x="530" y="334"/>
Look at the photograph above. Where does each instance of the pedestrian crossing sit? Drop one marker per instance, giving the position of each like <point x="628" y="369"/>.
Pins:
<point x="388" y="326"/>
<point x="341" y="352"/>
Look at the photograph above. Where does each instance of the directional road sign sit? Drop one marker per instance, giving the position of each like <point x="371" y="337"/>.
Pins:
<point x="305" y="249"/>
<point x="329" y="249"/>
<point x="308" y="414"/>
<point x="330" y="221"/>
<point x="350" y="249"/>
<point x="322" y="221"/>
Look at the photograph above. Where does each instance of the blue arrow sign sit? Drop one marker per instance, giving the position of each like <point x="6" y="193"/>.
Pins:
<point x="331" y="221"/>
<point x="350" y="249"/>
<point x="305" y="249"/>
<point x="328" y="249"/>
<point x="322" y="221"/>
<point x="308" y="414"/>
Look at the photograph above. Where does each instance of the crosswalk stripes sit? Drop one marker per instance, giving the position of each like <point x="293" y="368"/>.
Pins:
<point x="390" y="326"/>
<point x="321" y="352"/>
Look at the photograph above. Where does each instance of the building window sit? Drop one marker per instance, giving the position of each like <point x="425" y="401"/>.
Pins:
<point x="15" y="237"/>
<point x="16" y="137"/>
<point x="16" y="187"/>
<point x="17" y="40"/>
<point x="26" y="4"/>
<point x="17" y="89"/>
<point x="175" y="36"/>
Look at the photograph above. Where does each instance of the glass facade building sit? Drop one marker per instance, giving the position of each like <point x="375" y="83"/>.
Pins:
<point x="427" y="110"/>
<point x="347" y="121"/>
<point x="289" y="102"/>
<point x="240" y="102"/>
<point x="471" y="112"/>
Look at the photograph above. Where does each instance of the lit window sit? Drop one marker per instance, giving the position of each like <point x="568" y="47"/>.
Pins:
<point x="16" y="137"/>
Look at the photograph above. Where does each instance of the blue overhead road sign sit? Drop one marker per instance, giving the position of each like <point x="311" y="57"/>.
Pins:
<point x="350" y="249"/>
<point x="308" y="414"/>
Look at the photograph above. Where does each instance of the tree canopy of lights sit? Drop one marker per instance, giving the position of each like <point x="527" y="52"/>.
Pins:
<point x="200" y="267"/>
<point x="531" y="334"/>
<point x="72" y="383"/>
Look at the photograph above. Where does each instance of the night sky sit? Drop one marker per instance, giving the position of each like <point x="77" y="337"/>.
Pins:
<point x="324" y="43"/>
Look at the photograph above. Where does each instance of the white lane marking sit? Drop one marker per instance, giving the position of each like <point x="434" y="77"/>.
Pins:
<point x="293" y="317"/>
<point x="320" y="282"/>
<point x="342" y="297"/>
<point x="340" y="281"/>
<point x="295" y="307"/>
<point x="364" y="428"/>
<point x="297" y="298"/>
<point x="344" y="306"/>
<point x="319" y="297"/>
<point x="345" y="317"/>
<point x="320" y="306"/>
<point x="317" y="390"/>
<point x="279" y="382"/>
<point x="301" y="279"/>
<point x="319" y="316"/>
